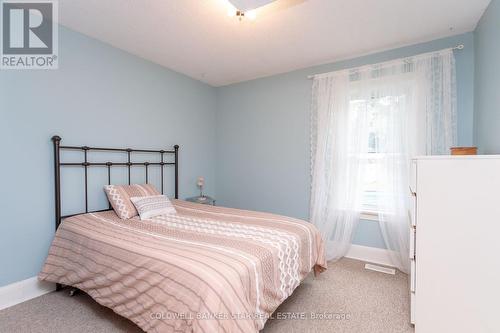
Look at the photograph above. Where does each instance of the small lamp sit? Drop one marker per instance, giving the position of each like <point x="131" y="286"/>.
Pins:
<point x="201" y="183"/>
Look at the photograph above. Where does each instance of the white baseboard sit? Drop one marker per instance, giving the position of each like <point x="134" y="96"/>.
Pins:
<point x="24" y="290"/>
<point x="370" y="254"/>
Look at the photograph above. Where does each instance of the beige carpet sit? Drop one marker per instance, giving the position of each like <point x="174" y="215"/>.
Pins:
<point x="352" y="299"/>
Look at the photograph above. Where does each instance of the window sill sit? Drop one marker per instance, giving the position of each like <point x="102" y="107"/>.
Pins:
<point x="369" y="216"/>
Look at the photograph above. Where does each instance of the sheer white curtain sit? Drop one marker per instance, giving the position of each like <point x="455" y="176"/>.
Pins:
<point x="336" y="168"/>
<point x="367" y="123"/>
<point x="437" y="100"/>
<point x="398" y="129"/>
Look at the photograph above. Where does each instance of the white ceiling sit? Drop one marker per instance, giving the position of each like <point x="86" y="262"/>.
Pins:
<point x="199" y="39"/>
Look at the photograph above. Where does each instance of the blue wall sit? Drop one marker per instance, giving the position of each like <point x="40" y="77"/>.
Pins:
<point x="263" y="134"/>
<point x="98" y="96"/>
<point x="487" y="81"/>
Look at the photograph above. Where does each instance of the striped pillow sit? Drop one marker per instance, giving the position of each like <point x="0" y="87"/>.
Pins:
<point x="119" y="197"/>
<point x="152" y="206"/>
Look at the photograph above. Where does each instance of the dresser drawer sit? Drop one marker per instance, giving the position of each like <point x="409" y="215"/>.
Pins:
<point x="412" y="308"/>
<point x="413" y="276"/>
<point x="412" y="211"/>
<point x="412" y="290"/>
<point x="413" y="235"/>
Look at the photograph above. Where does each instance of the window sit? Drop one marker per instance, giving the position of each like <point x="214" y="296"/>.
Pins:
<point x="375" y="115"/>
<point x="367" y="124"/>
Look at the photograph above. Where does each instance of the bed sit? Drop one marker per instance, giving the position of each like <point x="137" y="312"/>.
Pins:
<point x="204" y="269"/>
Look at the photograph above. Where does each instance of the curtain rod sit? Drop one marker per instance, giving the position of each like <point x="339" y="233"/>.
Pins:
<point x="458" y="47"/>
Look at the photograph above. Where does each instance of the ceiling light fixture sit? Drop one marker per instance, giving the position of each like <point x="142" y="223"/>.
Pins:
<point x="233" y="12"/>
<point x="245" y="8"/>
<point x="246" y="5"/>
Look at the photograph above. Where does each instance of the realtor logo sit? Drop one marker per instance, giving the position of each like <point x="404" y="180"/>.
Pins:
<point x="29" y="34"/>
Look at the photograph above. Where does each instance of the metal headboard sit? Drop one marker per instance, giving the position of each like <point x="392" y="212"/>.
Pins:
<point x="86" y="164"/>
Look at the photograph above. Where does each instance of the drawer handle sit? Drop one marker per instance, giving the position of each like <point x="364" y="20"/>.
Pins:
<point x="412" y="193"/>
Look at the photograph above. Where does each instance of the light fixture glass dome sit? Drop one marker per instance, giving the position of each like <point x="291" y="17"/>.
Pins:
<point x="247" y="5"/>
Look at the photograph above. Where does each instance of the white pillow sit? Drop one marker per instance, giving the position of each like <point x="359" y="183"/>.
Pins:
<point x="153" y="205"/>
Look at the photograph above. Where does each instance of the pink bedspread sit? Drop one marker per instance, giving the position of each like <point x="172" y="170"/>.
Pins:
<point x="205" y="269"/>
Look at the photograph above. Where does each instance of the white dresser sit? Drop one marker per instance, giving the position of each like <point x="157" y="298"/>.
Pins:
<point x="455" y="244"/>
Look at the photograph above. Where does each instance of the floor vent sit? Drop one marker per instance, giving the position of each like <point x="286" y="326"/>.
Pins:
<point x="380" y="269"/>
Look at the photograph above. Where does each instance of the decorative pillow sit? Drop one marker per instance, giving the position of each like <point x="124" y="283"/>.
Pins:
<point x="119" y="197"/>
<point x="152" y="206"/>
